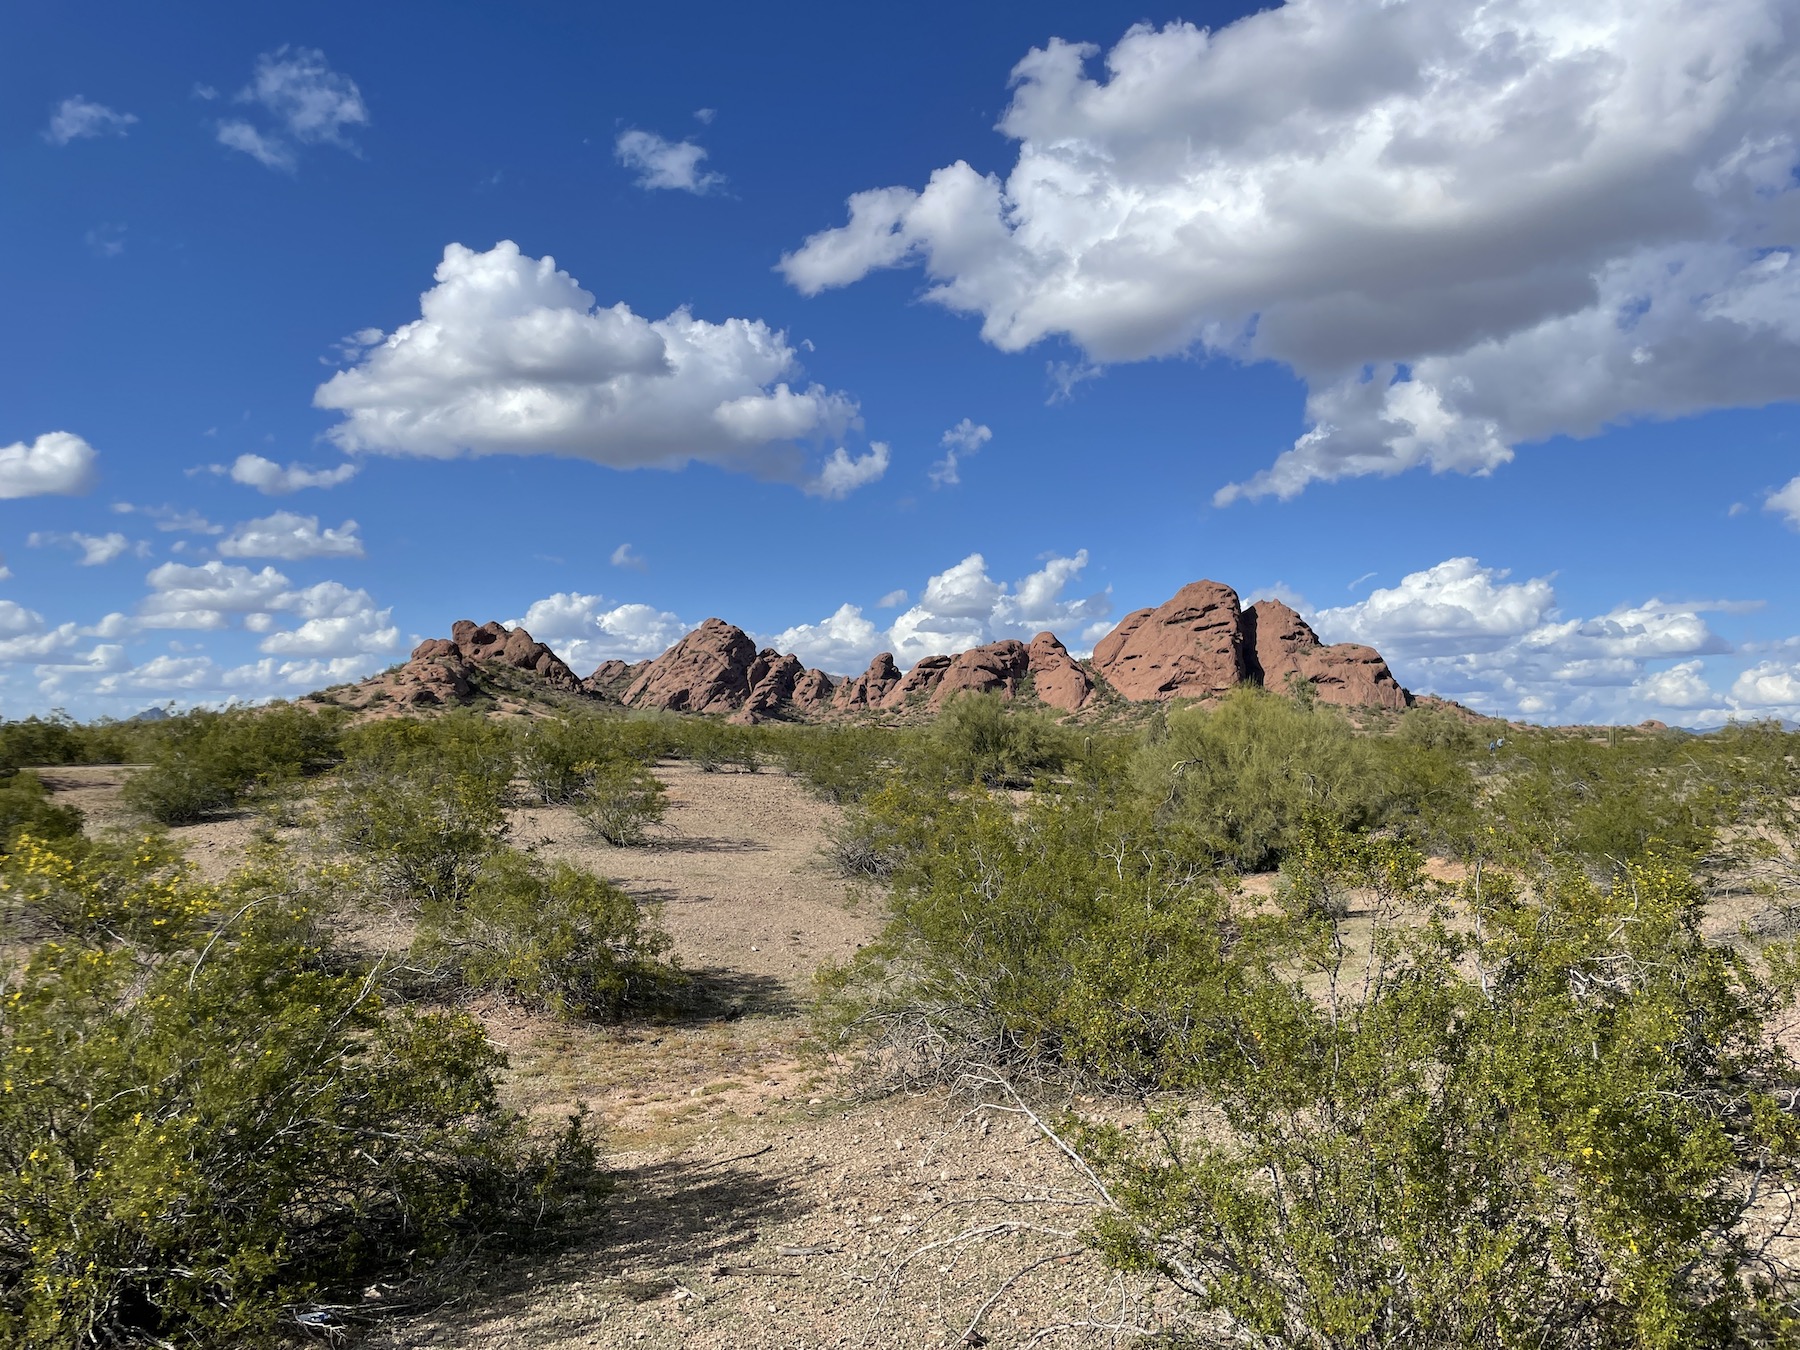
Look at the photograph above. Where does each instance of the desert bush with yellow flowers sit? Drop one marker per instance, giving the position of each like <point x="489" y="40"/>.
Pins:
<point x="210" y="1132"/>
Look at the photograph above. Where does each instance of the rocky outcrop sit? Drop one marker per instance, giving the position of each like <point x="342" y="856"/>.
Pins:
<point x="869" y="689"/>
<point x="999" y="667"/>
<point x="812" y="692"/>
<point x="1190" y="646"/>
<point x="496" y="644"/>
<point x="708" y="671"/>
<point x="919" y="683"/>
<point x="772" y="678"/>
<point x="1056" y="680"/>
<point x="1286" y="651"/>
<point x="612" y="678"/>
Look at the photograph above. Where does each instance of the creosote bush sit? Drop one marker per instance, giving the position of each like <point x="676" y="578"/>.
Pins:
<point x="203" y="763"/>
<point x="551" y="937"/>
<point x="620" y="800"/>
<point x="211" y="1138"/>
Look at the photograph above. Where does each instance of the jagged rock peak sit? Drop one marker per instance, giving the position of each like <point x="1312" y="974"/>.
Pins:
<point x="708" y="671"/>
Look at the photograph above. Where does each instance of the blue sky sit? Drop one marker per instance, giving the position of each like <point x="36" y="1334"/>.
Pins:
<point x="1471" y="331"/>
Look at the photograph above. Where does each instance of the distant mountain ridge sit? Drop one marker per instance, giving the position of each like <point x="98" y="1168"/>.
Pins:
<point x="1198" y="644"/>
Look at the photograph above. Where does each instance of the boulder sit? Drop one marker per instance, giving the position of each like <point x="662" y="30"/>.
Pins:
<point x="997" y="667"/>
<point x="772" y="678"/>
<point x="1286" y="650"/>
<point x="1056" y="679"/>
<point x="918" y="683"/>
<point x="708" y="671"/>
<point x="612" y="678"/>
<point x="812" y="692"/>
<point x="870" y="688"/>
<point x="1190" y="646"/>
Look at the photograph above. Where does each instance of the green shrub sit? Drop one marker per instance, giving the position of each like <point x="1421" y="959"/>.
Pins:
<point x="214" y="1141"/>
<point x="839" y="764"/>
<point x="558" y="755"/>
<point x="26" y="806"/>
<point x="203" y="763"/>
<point x="620" y="801"/>
<point x="979" y="738"/>
<point x="555" y="938"/>
<point x="1545" y="1132"/>
<point x="59" y="739"/>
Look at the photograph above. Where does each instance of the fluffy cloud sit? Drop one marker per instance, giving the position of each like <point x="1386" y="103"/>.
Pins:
<point x="338" y="622"/>
<point x="291" y="537"/>
<point x="960" y="607"/>
<point x="56" y="463"/>
<point x="96" y="550"/>
<point x="303" y="102"/>
<point x="207" y="596"/>
<point x="625" y="556"/>
<point x="1769" y="686"/>
<point x="276" y="480"/>
<point x="841" y="475"/>
<point x="1467" y="632"/>
<point x="588" y="629"/>
<point x="511" y="356"/>
<point x="1786" y="501"/>
<point x="661" y="163"/>
<point x="77" y="117"/>
<point x="1466" y="227"/>
<point x="962" y="440"/>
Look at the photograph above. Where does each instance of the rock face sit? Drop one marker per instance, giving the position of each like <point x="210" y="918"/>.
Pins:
<point x="708" y="671"/>
<point x="1058" y="682"/>
<point x="997" y="667"/>
<point x="772" y="678"/>
<point x="919" y="683"/>
<point x="812" y="692"/>
<point x="495" y="643"/>
<point x="1286" y="650"/>
<point x="870" y="688"/>
<point x="1190" y="646"/>
<point x="612" y="678"/>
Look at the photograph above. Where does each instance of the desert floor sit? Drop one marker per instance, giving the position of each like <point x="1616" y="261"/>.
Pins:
<point x="757" y="1203"/>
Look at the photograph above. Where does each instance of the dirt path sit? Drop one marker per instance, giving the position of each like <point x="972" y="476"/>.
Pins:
<point x="755" y="1207"/>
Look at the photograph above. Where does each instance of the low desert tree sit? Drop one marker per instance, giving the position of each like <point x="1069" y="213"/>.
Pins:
<point x="202" y="763"/>
<point x="211" y="1138"/>
<point x="979" y="738"/>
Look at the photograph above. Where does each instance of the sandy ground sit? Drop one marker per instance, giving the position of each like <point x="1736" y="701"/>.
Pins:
<point x="755" y="1206"/>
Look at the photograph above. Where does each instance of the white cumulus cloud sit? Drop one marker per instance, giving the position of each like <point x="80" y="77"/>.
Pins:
<point x="277" y="480"/>
<point x="960" y="607"/>
<point x="76" y="118"/>
<point x="587" y="629"/>
<point x="511" y="356"/>
<point x="662" y="163"/>
<point x="96" y="550"/>
<point x="291" y="537"/>
<point x="1466" y="226"/>
<point x="841" y="475"/>
<point x="56" y="463"/>
<point x="1786" y="501"/>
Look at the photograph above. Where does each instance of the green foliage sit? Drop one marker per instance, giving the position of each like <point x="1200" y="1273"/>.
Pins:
<point x="203" y="763"/>
<point x="620" y="800"/>
<point x="26" y="807"/>
<point x="209" y="1137"/>
<point x="1546" y="1132"/>
<point x="839" y="764"/>
<point x="559" y="755"/>
<point x="555" y="938"/>
<point x="1236" y="780"/>
<point x="59" y="739"/>
<point x="978" y="738"/>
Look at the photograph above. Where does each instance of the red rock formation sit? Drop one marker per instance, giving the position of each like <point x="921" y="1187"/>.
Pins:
<point x="1285" y="650"/>
<point x="1190" y="646"/>
<point x="870" y="688"/>
<point x="812" y="692"/>
<point x="918" y="683"/>
<point x="772" y="678"/>
<point x="496" y="643"/>
<point x="999" y="666"/>
<point x="1055" y="678"/>
<point x="706" y="672"/>
<point x="612" y="678"/>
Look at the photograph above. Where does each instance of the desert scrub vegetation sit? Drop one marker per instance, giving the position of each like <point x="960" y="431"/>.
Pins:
<point x="1530" y="1106"/>
<point x="202" y="763"/>
<point x="215" y="1138"/>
